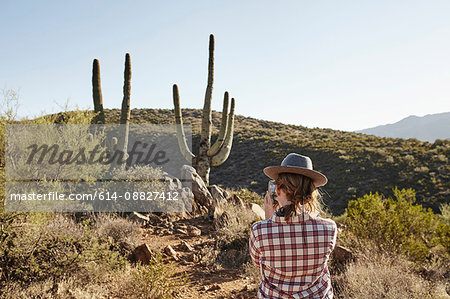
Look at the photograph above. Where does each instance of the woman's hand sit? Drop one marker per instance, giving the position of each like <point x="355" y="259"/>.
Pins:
<point x="269" y="207"/>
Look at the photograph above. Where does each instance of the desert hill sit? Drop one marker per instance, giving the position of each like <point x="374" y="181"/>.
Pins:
<point x="355" y="163"/>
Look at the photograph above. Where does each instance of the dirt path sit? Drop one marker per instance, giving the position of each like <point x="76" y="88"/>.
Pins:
<point x="203" y="282"/>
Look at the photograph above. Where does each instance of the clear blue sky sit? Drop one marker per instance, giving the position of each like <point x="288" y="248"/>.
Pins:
<point x="334" y="64"/>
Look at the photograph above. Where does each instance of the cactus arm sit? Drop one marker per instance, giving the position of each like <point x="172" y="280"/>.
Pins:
<point x="206" y="120"/>
<point x="188" y="155"/>
<point x="224" y="152"/>
<point x="97" y="92"/>
<point x="223" y="128"/>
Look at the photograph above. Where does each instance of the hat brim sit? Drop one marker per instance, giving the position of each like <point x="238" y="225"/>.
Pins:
<point x="318" y="178"/>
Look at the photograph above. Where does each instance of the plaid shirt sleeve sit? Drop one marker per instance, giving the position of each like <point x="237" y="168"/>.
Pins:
<point x="254" y="245"/>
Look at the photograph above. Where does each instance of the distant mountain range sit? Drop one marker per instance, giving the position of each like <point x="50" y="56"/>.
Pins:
<point x="426" y="128"/>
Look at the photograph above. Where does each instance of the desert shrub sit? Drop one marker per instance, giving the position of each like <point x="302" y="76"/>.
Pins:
<point x="66" y="287"/>
<point x="445" y="213"/>
<point x="249" y="196"/>
<point x="31" y="252"/>
<point x="125" y="234"/>
<point x="48" y="255"/>
<point x="154" y="280"/>
<point x="397" y="224"/>
<point x="230" y="248"/>
<point x="237" y="224"/>
<point x="377" y="275"/>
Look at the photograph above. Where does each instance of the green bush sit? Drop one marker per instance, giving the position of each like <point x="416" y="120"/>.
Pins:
<point x="397" y="225"/>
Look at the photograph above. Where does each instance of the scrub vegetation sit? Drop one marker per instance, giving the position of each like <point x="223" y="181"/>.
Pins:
<point x="390" y="198"/>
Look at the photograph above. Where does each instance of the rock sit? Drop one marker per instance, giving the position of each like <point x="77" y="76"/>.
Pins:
<point x="217" y="213"/>
<point x="187" y="197"/>
<point x="143" y="253"/>
<point x="222" y="221"/>
<point x="237" y="201"/>
<point x="214" y="287"/>
<point x="181" y="231"/>
<point x="171" y="252"/>
<point x="181" y="225"/>
<point x="259" y="212"/>
<point x="154" y="219"/>
<point x="171" y="216"/>
<point x="165" y="223"/>
<point x="201" y="192"/>
<point x="203" y="210"/>
<point x="217" y="194"/>
<point x="163" y="231"/>
<point x="226" y="194"/>
<point x="138" y="217"/>
<point x="169" y="183"/>
<point x="187" y="246"/>
<point x="193" y="231"/>
<point x="341" y="255"/>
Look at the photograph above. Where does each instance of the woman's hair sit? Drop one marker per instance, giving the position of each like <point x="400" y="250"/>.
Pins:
<point x="300" y="190"/>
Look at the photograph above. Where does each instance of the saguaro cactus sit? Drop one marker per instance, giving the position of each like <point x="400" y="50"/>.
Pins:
<point x="97" y="93"/>
<point x="208" y="155"/>
<point x="125" y="112"/>
<point x="120" y="143"/>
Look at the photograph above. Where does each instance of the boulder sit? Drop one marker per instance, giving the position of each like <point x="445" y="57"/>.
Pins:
<point x="143" y="253"/>
<point x="218" y="212"/>
<point x="217" y="194"/>
<point x="226" y="194"/>
<point x="222" y="221"/>
<point x="199" y="189"/>
<point x="258" y="211"/>
<point x="237" y="201"/>
<point x="341" y="255"/>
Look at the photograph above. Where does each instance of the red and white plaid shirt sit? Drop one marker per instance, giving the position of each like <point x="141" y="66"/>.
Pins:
<point x="292" y="256"/>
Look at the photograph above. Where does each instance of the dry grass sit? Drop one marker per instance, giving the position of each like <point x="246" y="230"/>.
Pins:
<point x="54" y="256"/>
<point x="142" y="281"/>
<point x="380" y="275"/>
<point x="230" y="248"/>
<point x="252" y="271"/>
<point x="124" y="233"/>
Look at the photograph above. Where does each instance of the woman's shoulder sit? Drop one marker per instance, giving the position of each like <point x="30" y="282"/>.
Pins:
<point x="261" y="226"/>
<point x="326" y="222"/>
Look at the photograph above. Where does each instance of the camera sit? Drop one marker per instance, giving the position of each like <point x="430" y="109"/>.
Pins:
<point x="272" y="191"/>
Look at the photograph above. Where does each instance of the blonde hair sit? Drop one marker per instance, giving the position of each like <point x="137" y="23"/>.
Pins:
<point x="300" y="191"/>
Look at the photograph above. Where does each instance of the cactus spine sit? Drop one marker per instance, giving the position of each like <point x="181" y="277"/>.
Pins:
<point x="97" y="93"/>
<point x="208" y="155"/>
